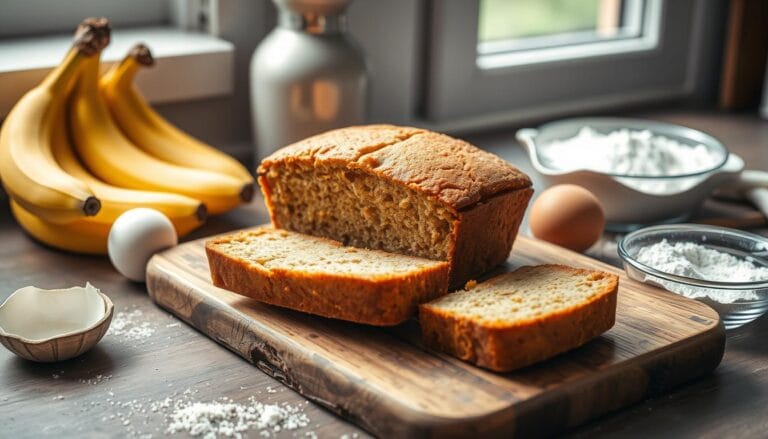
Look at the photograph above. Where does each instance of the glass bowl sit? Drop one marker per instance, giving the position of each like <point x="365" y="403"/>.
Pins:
<point x="737" y="303"/>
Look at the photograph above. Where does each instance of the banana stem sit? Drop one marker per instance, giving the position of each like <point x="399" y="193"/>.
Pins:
<point x="91" y="37"/>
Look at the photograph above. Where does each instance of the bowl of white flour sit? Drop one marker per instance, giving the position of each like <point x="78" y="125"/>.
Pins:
<point x="642" y="171"/>
<point x="725" y="268"/>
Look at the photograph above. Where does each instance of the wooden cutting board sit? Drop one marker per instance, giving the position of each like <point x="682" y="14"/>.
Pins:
<point x="385" y="381"/>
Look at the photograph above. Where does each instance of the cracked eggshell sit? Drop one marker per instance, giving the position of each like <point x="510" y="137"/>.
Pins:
<point x="54" y="325"/>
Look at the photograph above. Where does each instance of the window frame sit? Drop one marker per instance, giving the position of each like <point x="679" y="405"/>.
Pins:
<point x="643" y="35"/>
<point x="632" y="26"/>
<point x="458" y="92"/>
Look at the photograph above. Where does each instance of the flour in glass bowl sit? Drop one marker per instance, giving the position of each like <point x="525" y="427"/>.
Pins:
<point x="701" y="262"/>
<point x="632" y="153"/>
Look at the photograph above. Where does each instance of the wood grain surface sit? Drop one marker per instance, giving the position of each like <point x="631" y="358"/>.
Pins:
<point x="385" y="380"/>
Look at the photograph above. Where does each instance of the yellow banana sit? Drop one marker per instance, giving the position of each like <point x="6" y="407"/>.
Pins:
<point x="77" y="236"/>
<point x="181" y="210"/>
<point x="116" y="160"/>
<point x="85" y="235"/>
<point x="150" y="131"/>
<point x="29" y="173"/>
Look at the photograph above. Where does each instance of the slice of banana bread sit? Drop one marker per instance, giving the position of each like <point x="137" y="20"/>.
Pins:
<point x="519" y="318"/>
<point x="399" y="189"/>
<point x="323" y="277"/>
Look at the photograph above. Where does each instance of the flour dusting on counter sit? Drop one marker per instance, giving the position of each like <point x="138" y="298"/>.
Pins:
<point x="131" y="326"/>
<point x="230" y="419"/>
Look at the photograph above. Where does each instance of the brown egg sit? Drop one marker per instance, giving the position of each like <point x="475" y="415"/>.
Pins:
<point x="567" y="215"/>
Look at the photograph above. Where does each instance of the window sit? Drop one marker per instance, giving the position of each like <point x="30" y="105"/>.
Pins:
<point x="517" y="32"/>
<point x="495" y="61"/>
<point x="514" y="20"/>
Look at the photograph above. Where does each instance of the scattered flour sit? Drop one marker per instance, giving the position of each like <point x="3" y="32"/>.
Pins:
<point x="129" y="326"/>
<point x="229" y="419"/>
<point x="632" y="153"/>
<point x="700" y="262"/>
<point x="98" y="379"/>
<point x="182" y="413"/>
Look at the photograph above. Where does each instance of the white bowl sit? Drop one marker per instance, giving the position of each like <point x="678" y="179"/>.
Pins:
<point x="632" y="201"/>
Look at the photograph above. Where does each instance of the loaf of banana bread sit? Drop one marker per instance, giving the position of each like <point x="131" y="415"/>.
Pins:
<point x="399" y="189"/>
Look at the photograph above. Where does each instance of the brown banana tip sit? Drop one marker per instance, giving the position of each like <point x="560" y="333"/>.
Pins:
<point x="246" y="193"/>
<point x="141" y="53"/>
<point x="92" y="206"/>
<point x="202" y="213"/>
<point x="92" y="35"/>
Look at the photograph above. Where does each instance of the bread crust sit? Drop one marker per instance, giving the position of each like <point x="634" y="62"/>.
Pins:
<point x="503" y="348"/>
<point x="487" y="195"/>
<point x="381" y="301"/>
<point x="441" y="167"/>
<point x="485" y="235"/>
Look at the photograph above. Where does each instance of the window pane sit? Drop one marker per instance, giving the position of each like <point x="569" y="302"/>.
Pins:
<point x="508" y="19"/>
<point x="513" y="25"/>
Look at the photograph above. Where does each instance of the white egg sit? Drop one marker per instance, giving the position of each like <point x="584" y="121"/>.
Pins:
<point x="135" y="236"/>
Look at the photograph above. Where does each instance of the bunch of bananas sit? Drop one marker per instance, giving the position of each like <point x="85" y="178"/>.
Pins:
<point x="80" y="149"/>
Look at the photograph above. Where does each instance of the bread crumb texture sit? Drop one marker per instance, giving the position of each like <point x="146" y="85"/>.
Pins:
<point x="281" y="250"/>
<point x="526" y="294"/>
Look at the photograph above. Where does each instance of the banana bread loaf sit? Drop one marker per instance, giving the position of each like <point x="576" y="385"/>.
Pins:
<point x="519" y="318"/>
<point x="399" y="189"/>
<point x="323" y="277"/>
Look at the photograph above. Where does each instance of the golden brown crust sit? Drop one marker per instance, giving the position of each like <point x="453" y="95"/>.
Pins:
<point x="503" y="348"/>
<point x="485" y="234"/>
<point x="345" y="144"/>
<point x="447" y="169"/>
<point x="381" y="302"/>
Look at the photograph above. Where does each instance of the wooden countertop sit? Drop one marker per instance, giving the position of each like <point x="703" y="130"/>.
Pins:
<point x="95" y="394"/>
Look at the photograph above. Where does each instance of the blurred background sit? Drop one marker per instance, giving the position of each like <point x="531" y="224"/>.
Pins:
<point x="453" y="65"/>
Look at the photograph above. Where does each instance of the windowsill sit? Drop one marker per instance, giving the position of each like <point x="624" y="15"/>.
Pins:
<point x="188" y="65"/>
